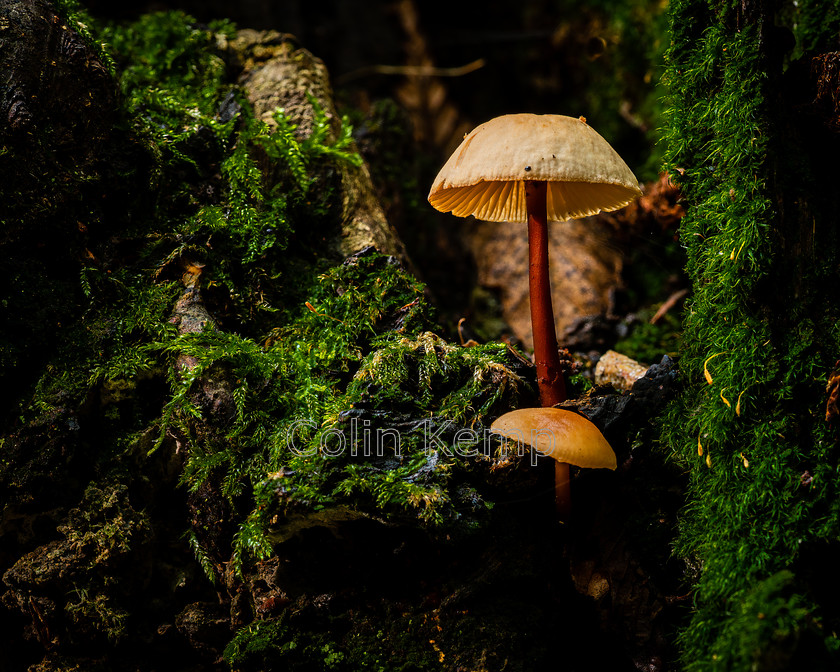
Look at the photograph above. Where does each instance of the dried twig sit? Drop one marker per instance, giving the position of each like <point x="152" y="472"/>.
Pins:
<point x="670" y="302"/>
<point x="411" y="71"/>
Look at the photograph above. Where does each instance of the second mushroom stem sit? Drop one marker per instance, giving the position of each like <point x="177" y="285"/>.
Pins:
<point x="549" y="375"/>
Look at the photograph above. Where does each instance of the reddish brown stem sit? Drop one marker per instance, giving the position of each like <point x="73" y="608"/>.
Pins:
<point x="549" y="376"/>
<point x="562" y="491"/>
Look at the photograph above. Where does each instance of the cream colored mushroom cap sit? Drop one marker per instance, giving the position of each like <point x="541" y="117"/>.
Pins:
<point x="563" y="435"/>
<point x="486" y="174"/>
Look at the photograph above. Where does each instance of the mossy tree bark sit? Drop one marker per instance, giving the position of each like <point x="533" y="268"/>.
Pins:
<point x="750" y="139"/>
<point x="279" y="73"/>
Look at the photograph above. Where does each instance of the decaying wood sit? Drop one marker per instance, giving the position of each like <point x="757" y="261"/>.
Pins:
<point x="615" y="413"/>
<point x="57" y="106"/>
<point x="584" y="265"/>
<point x="586" y="257"/>
<point x="51" y="78"/>
<point x="277" y="73"/>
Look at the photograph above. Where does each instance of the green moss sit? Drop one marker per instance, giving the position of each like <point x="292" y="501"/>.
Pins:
<point x="97" y="612"/>
<point x="388" y="642"/>
<point x="297" y="343"/>
<point x="458" y="389"/>
<point x="78" y="574"/>
<point x="814" y="24"/>
<point x="493" y="632"/>
<point x="362" y="325"/>
<point x="647" y="342"/>
<point x="771" y="629"/>
<point x="759" y="333"/>
<point x="168" y="52"/>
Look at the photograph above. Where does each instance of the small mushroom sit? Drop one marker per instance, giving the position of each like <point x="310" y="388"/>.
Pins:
<point x="567" y="437"/>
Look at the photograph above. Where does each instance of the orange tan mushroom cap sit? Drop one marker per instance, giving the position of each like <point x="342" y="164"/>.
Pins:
<point x="563" y="435"/>
<point x="486" y="174"/>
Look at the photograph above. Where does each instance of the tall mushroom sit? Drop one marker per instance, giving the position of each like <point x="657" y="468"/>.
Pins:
<point x="535" y="169"/>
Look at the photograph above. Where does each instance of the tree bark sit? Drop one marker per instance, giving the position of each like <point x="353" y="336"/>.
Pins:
<point x="279" y="73"/>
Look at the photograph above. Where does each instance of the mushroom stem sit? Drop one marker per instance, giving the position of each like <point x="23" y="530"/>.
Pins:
<point x="562" y="491"/>
<point x="549" y="376"/>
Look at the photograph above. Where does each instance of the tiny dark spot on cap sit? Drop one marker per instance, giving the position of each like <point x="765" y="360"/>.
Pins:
<point x="527" y="168"/>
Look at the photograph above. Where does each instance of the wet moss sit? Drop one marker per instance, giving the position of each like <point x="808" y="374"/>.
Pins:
<point x="311" y="399"/>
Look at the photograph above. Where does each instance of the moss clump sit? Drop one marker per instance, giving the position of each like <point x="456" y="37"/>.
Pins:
<point x="458" y="389"/>
<point x="209" y="317"/>
<point x="401" y="642"/>
<point x="207" y="187"/>
<point x="772" y="629"/>
<point x="760" y="335"/>
<point x="310" y="398"/>
<point x="279" y="643"/>
<point x="78" y="575"/>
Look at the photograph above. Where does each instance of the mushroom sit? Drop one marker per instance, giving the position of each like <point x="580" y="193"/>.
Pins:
<point x="535" y="169"/>
<point x="567" y="437"/>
